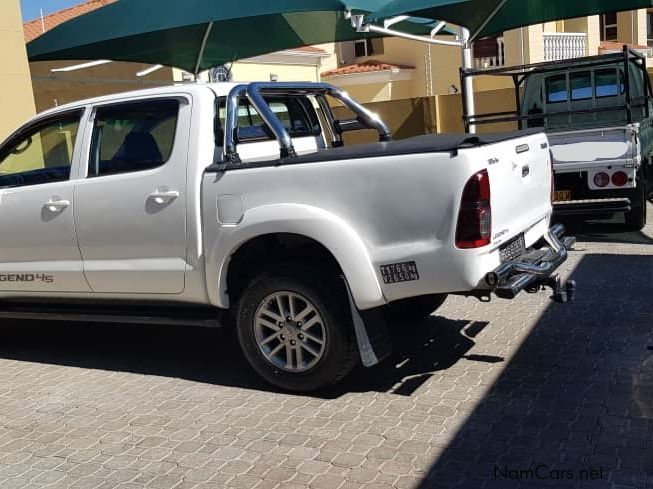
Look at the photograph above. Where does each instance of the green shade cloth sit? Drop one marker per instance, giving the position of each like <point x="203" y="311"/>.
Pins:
<point x="480" y="18"/>
<point x="172" y="32"/>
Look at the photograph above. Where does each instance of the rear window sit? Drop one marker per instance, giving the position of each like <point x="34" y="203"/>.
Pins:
<point x="581" y="85"/>
<point x="295" y="113"/>
<point x="556" y="89"/>
<point x="608" y="83"/>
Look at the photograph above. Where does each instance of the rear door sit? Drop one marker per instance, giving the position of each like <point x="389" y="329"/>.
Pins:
<point x="131" y="208"/>
<point x="38" y="248"/>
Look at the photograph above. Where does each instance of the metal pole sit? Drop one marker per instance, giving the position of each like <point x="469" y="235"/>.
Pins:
<point x="468" y="88"/>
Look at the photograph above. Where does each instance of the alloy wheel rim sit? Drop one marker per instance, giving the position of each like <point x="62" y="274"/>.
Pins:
<point x="290" y="331"/>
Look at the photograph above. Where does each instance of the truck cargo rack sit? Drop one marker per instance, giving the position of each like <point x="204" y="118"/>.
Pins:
<point x="520" y="73"/>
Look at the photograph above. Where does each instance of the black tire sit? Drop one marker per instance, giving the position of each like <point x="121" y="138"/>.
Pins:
<point x="414" y="309"/>
<point x="636" y="218"/>
<point x="327" y="295"/>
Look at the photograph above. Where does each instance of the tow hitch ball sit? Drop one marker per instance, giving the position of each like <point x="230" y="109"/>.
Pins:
<point x="562" y="292"/>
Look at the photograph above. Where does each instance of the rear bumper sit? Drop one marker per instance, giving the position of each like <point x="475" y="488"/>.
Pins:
<point x="535" y="269"/>
<point x="591" y="206"/>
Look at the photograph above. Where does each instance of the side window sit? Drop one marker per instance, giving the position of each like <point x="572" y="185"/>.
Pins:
<point x="581" y="85"/>
<point x="133" y="137"/>
<point x="41" y="154"/>
<point x="607" y="84"/>
<point x="556" y="89"/>
<point x="296" y="114"/>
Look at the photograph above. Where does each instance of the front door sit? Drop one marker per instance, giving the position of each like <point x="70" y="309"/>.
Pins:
<point x="131" y="209"/>
<point x="38" y="247"/>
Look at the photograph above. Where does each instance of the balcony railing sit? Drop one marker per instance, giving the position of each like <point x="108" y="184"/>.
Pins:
<point x="564" y="45"/>
<point x="492" y="61"/>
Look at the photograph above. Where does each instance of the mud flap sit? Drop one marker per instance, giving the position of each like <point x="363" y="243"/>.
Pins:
<point x="371" y="331"/>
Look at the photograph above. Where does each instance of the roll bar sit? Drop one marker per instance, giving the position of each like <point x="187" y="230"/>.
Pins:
<point x="255" y="93"/>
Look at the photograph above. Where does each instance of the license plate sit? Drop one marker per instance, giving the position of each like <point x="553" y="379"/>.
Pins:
<point x="562" y="196"/>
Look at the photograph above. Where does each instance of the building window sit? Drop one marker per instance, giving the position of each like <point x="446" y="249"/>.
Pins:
<point x="649" y="28"/>
<point x="609" y="27"/>
<point x="364" y="47"/>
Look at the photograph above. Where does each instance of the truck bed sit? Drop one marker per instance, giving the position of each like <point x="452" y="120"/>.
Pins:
<point x="429" y="143"/>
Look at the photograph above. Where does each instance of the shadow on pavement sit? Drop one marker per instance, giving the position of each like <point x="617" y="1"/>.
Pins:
<point x="578" y="394"/>
<point x="213" y="356"/>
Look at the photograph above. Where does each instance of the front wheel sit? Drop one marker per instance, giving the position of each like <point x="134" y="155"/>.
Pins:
<point x="295" y="330"/>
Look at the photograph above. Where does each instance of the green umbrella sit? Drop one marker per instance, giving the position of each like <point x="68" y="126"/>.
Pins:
<point x="486" y="17"/>
<point x="198" y="34"/>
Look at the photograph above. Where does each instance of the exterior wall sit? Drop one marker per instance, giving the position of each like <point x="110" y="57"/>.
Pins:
<point x="590" y="26"/>
<point x="405" y="118"/>
<point x="52" y="89"/>
<point x="449" y="110"/>
<point x="16" y="99"/>
<point x="525" y="45"/>
<point x="244" y="72"/>
<point x="631" y="27"/>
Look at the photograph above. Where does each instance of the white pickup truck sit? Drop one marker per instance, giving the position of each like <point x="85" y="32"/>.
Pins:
<point x="598" y="114"/>
<point x="239" y="204"/>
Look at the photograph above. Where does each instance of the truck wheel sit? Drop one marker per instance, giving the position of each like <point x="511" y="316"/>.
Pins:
<point x="295" y="329"/>
<point x="636" y="218"/>
<point x="413" y="309"/>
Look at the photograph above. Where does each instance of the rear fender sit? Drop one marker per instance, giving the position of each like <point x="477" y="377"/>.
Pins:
<point x="346" y="246"/>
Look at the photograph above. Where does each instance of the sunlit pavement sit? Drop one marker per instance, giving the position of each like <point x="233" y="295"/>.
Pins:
<point x="507" y="394"/>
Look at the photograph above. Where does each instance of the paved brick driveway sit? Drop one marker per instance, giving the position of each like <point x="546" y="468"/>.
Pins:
<point x="474" y="398"/>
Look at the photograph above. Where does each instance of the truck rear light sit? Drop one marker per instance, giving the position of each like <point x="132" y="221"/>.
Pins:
<point x="601" y="179"/>
<point x="619" y="179"/>
<point x="474" y="227"/>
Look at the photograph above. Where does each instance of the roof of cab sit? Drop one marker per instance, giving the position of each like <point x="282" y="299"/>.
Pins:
<point x="220" y="89"/>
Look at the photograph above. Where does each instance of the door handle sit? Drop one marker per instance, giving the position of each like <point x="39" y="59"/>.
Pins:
<point x="56" y="205"/>
<point x="163" y="197"/>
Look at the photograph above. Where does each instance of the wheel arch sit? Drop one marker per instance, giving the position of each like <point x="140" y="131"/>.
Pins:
<point x="322" y="231"/>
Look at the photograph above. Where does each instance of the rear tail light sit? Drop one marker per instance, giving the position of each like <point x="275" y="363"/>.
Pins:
<point x="601" y="179"/>
<point x="619" y="179"/>
<point x="475" y="217"/>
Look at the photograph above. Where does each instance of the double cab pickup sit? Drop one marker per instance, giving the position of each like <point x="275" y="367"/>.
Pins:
<point x="241" y="205"/>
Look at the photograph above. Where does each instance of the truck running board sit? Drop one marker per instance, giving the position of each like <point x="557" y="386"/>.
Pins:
<point x="186" y="316"/>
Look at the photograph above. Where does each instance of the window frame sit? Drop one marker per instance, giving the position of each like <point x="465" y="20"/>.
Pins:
<point x="116" y="105"/>
<point x="33" y="126"/>
<point x="621" y="83"/>
<point x="547" y="94"/>
<point x="591" y="87"/>
<point x="368" y="47"/>
<point x="605" y="26"/>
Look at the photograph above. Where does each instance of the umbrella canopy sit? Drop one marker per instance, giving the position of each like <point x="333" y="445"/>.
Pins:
<point x="199" y="34"/>
<point x="486" y="17"/>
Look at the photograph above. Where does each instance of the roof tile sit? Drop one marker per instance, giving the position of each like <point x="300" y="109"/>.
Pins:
<point x="366" y="67"/>
<point x="35" y="28"/>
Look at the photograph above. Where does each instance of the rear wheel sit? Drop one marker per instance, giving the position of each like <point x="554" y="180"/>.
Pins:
<point x="636" y="218"/>
<point x="414" y="309"/>
<point x="295" y="330"/>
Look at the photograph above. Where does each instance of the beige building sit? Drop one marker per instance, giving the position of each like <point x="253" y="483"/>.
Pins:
<point x="391" y="68"/>
<point x="15" y="87"/>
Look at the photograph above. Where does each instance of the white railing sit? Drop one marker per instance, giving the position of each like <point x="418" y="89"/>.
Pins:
<point x="564" y="45"/>
<point x="492" y="61"/>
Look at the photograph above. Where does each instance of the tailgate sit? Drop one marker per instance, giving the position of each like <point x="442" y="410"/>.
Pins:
<point x="579" y="150"/>
<point x="520" y="179"/>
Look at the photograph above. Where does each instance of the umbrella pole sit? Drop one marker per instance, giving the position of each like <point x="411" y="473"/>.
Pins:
<point x="467" y="81"/>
